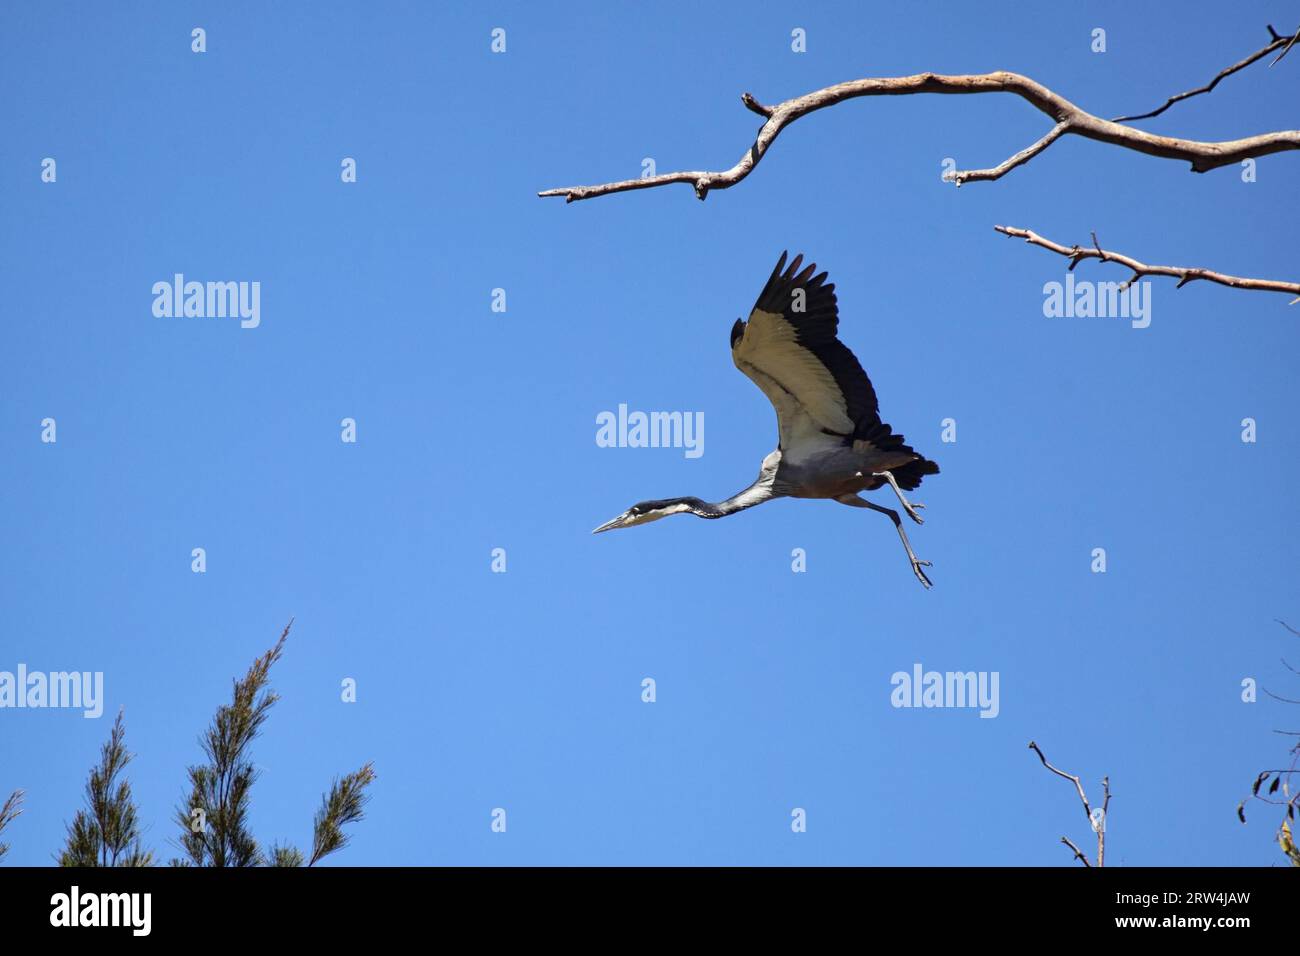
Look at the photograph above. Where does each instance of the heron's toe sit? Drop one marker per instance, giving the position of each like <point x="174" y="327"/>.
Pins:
<point x="921" y="576"/>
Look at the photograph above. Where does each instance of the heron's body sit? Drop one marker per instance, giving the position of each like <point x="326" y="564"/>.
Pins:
<point x="832" y="442"/>
<point x="835" y="472"/>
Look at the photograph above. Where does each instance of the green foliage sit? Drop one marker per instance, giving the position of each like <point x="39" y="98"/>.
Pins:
<point x="8" y="813"/>
<point x="214" y="819"/>
<point x="218" y="834"/>
<point x="344" y="804"/>
<point x="285" y="856"/>
<point x="1285" y="842"/>
<point x="107" y="831"/>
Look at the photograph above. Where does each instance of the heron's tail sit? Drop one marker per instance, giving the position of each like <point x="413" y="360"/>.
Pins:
<point x="910" y="475"/>
<point x="878" y="437"/>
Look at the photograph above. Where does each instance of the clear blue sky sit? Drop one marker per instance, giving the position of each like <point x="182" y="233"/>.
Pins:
<point x="476" y="429"/>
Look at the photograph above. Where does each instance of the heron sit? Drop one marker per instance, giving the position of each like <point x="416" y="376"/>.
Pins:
<point x="831" y="441"/>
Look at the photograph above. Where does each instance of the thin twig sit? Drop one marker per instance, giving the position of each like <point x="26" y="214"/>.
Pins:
<point x="1278" y="41"/>
<point x="1078" y="854"/>
<point x="1087" y="809"/>
<point x="1105" y="810"/>
<point x="1295" y="36"/>
<point x="1183" y="274"/>
<point x="1067" y="117"/>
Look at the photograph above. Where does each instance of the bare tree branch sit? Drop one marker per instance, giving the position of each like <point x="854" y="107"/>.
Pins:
<point x="1278" y="41"/>
<point x="1067" y="117"/>
<point x="1184" y="274"/>
<point x="1105" y="810"/>
<point x="1078" y="854"/>
<point x="1294" y="37"/>
<point x="1087" y="809"/>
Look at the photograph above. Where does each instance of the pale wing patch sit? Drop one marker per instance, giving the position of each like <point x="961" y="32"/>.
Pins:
<point x="800" y="436"/>
<point x="769" y="346"/>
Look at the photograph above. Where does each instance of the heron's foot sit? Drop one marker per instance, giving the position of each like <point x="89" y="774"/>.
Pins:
<point x="916" y="568"/>
<point x="908" y="506"/>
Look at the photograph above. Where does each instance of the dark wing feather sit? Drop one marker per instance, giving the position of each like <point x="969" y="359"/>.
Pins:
<point x="790" y="351"/>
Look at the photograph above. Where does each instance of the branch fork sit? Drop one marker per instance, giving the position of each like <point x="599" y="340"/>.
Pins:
<point x="1184" y="274"/>
<point x="1065" y="115"/>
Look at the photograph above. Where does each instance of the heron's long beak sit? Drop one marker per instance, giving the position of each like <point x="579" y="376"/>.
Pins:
<point x="612" y="524"/>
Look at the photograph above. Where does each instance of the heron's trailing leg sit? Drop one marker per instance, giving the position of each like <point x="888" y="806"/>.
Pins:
<point x="917" y="564"/>
<point x="908" y="506"/>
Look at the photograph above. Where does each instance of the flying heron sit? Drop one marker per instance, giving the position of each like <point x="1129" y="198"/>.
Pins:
<point x="832" y="443"/>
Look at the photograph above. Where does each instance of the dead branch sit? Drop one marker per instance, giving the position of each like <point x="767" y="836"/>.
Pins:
<point x="1184" y="274"/>
<point x="1105" y="810"/>
<point x="1068" y="118"/>
<point x="1087" y="809"/>
<point x="1078" y="854"/>
<point x="1295" y="36"/>
<point x="1277" y="41"/>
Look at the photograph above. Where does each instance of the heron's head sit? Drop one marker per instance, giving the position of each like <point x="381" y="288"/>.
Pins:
<point x="646" y="511"/>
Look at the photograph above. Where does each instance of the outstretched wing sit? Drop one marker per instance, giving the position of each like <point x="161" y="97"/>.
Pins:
<point x="789" y="350"/>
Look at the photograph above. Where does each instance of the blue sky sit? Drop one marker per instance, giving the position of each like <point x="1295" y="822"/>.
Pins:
<point x="476" y="429"/>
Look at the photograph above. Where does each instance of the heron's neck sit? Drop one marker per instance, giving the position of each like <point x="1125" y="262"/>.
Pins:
<point x="755" y="494"/>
